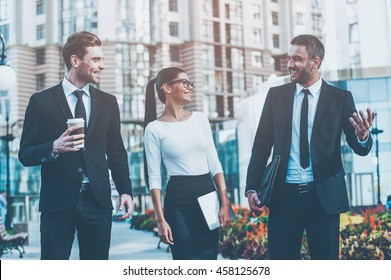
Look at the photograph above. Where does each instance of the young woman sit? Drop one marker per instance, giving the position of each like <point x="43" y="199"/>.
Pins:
<point x="182" y="142"/>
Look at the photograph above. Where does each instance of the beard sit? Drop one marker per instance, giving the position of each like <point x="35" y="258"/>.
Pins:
<point x="303" y="76"/>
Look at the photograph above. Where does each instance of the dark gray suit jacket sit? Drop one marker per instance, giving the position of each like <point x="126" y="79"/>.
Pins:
<point x="334" y="108"/>
<point x="45" y="120"/>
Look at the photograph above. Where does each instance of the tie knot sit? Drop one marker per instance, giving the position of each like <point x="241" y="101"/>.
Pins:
<point x="306" y="91"/>
<point x="78" y="93"/>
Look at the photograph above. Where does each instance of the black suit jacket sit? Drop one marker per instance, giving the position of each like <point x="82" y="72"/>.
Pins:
<point x="334" y="108"/>
<point x="45" y="120"/>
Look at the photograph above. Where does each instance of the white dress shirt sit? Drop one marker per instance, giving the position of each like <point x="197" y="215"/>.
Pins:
<point x="295" y="173"/>
<point x="69" y="88"/>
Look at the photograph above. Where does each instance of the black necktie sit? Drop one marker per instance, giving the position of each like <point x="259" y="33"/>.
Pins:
<point x="80" y="110"/>
<point x="304" y="147"/>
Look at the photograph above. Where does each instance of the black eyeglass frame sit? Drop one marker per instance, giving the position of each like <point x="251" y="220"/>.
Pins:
<point x="185" y="83"/>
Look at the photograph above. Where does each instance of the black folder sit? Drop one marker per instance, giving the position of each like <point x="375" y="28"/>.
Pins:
<point x="267" y="182"/>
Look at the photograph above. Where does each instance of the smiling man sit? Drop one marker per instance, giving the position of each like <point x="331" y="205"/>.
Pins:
<point x="75" y="190"/>
<point x="302" y="121"/>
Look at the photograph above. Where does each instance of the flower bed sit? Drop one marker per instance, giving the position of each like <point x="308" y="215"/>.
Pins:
<point x="364" y="236"/>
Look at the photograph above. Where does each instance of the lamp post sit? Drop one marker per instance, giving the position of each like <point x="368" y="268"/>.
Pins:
<point x="375" y="131"/>
<point x="7" y="80"/>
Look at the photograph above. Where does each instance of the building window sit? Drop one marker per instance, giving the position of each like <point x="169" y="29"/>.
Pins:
<point x="173" y="5"/>
<point x="175" y="53"/>
<point x="276" y="41"/>
<point x="3" y="10"/>
<point x="215" y="7"/>
<point x="216" y="32"/>
<point x="40" y="31"/>
<point x="257" y="81"/>
<point x="299" y="19"/>
<point x="207" y="31"/>
<point x="40" y="56"/>
<point x="174" y="29"/>
<point x="4" y="29"/>
<point x="317" y="25"/>
<point x="40" y="7"/>
<point x="354" y="34"/>
<point x="40" y="81"/>
<point x="218" y="56"/>
<point x="275" y="18"/>
<point x="256" y="11"/>
<point x="256" y="58"/>
<point x="257" y="35"/>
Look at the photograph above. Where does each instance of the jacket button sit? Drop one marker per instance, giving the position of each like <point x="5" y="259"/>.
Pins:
<point x="80" y="170"/>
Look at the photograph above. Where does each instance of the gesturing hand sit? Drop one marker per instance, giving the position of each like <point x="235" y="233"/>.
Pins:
<point x="362" y="125"/>
<point x="67" y="142"/>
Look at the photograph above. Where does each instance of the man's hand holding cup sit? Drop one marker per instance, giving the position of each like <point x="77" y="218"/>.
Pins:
<point x="72" y="140"/>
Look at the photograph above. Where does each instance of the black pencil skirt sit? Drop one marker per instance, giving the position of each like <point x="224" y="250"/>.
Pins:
<point x="192" y="238"/>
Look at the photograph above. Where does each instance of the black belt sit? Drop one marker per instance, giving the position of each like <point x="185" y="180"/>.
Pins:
<point x="301" y="188"/>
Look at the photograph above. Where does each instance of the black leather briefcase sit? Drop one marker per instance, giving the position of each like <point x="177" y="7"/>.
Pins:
<point x="267" y="182"/>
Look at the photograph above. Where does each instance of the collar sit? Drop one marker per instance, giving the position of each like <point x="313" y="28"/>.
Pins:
<point x="69" y="88"/>
<point x="314" y="88"/>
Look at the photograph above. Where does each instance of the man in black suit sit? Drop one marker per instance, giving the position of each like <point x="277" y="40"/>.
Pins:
<point x="75" y="191"/>
<point x="302" y="121"/>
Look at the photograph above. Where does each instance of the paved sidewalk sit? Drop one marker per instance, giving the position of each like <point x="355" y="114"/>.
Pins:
<point x="126" y="244"/>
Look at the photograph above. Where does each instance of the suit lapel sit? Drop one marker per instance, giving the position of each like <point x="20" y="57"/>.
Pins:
<point x="95" y="105"/>
<point x="62" y="102"/>
<point x="288" y="108"/>
<point x="323" y="102"/>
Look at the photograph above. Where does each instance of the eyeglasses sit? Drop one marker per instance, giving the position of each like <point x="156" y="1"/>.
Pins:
<point x="187" y="84"/>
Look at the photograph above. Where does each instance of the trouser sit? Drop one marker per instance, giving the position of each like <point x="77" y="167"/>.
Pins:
<point x="293" y="212"/>
<point x="88" y="219"/>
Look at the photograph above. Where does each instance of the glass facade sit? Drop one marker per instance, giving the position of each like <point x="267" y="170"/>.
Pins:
<point x="374" y="93"/>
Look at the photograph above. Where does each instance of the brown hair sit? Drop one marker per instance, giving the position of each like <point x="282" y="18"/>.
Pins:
<point x="77" y="44"/>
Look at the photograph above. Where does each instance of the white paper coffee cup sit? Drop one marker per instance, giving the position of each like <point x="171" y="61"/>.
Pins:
<point x="78" y="122"/>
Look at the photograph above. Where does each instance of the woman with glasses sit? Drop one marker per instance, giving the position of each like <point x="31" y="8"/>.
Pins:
<point x="180" y="142"/>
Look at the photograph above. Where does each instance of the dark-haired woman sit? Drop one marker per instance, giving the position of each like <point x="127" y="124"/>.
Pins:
<point x="182" y="141"/>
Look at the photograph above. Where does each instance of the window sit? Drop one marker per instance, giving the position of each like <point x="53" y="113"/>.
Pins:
<point x="216" y="8"/>
<point x="257" y="35"/>
<point x="40" y="7"/>
<point x="4" y="29"/>
<point x="354" y="34"/>
<point x="299" y="19"/>
<point x="275" y="18"/>
<point x="317" y="25"/>
<point x="173" y="5"/>
<point x="276" y="41"/>
<point x="216" y="32"/>
<point x="3" y="9"/>
<point x="40" y="56"/>
<point x="234" y="34"/>
<point x="207" y="31"/>
<point x="257" y="80"/>
<point x="40" y="31"/>
<point x="40" y="81"/>
<point x="174" y="53"/>
<point x="218" y="56"/>
<point x="256" y="58"/>
<point x="256" y="11"/>
<point x="174" y="29"/>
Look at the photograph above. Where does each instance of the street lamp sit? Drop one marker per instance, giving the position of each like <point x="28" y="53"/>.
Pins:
<point x="7" y="80"/>
<point x="375" y="131"/>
